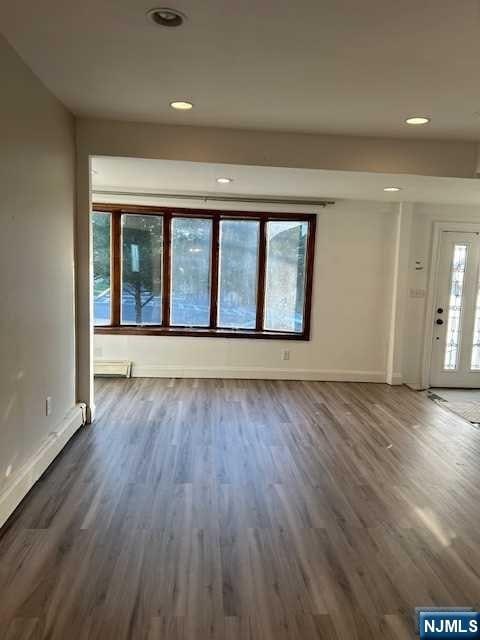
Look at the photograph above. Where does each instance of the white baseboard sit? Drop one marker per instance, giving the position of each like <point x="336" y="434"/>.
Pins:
<point x="396" y="379"/>
<point x="90" y="412"/>
<point x="257" y="373"/>
<point x="23" y="480"/>
<point x="415" y="386"/>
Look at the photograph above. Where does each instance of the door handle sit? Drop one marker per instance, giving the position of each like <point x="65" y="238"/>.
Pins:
<point x="439" y="321"/>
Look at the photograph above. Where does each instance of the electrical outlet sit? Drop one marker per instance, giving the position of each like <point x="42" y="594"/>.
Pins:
<point x="285" y="354"/>
<point x="48" y="406"/>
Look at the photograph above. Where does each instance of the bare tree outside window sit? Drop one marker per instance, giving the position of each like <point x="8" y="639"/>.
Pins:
<point x="168" y="271"/>
<point x="102" y="298"/>
<point x="142" y="246"/>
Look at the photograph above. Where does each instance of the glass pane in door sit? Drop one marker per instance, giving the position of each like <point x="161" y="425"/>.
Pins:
<point x="475" y="362"/>
<point x="455" y="306"/>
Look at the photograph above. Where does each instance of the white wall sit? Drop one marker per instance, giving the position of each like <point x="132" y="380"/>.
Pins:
<point x="352" y="307"/>
<point x="251" y="148"/>
<point x="37" y="337"/>
<point x="350" y="314"/>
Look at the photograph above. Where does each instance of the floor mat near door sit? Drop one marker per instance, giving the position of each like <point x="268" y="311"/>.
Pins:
<point x="463" y="402"/>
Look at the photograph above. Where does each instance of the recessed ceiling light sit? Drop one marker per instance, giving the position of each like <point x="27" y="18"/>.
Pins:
<point x="164" y="17"/>
<point x="416" y="120"/>
<point x="392" y="189"/>
<point x="181" y="105"/>
<point x="224" y="180"/>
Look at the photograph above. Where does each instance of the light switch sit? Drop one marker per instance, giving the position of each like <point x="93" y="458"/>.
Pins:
<point x="419" y="265"/>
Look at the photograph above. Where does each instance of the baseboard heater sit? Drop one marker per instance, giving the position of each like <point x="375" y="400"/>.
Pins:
<point x="112" y="368"/>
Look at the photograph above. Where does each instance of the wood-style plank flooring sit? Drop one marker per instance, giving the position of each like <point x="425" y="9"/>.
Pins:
<point x="235" y="510"/>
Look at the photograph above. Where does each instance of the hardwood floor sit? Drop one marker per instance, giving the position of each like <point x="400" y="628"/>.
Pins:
<point x="235" y="510"/>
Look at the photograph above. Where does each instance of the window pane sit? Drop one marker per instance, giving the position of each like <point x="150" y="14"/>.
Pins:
<point x="475" y="362"/>
<point x="191" y="257"/>
<point x="142" y="250"/>
<point x="238" y="274"/>
<point x="285" y="278"/>
<point x="455" y="306"/>
<point x="101" y="268"/>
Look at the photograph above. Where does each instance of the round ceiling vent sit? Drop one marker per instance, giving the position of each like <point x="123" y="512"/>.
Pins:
<point x="166" y="17"/>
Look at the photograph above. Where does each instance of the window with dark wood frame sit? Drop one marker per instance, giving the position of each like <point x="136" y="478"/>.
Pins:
<point x="192" y="272"/>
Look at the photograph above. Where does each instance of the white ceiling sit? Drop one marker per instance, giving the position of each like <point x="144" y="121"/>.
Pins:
<point x="339" y="66"/>
<point x="166" y="176"/>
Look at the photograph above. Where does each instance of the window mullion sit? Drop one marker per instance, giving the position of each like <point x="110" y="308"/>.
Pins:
<point x="116" y="266"/>
<point x="167" y="252"/>
<point x="262" y="262"/>
<point x="214" y="274"/>
<point x="307" y="309"/>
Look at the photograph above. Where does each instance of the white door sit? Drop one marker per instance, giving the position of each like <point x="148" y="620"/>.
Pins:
<point x="456" y="335"/>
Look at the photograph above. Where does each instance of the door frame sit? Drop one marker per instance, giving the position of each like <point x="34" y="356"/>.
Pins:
<point x="438" y="228"/>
